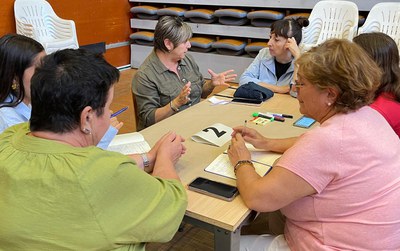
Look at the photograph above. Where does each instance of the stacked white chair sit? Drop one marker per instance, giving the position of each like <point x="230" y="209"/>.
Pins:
<point x="385" y="18"/>
<point x="331" y="19"/>
<point x="37" y="19"/>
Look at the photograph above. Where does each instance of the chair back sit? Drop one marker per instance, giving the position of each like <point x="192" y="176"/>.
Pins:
<point x="331" y="19"/>
<point x="385" y="18"/>
<point x="32" y="14"/>
<point x="36" y="19"/>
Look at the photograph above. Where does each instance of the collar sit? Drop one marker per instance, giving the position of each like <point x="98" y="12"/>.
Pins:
<point x="22" y="109"/>
<point x="159" y="66"/>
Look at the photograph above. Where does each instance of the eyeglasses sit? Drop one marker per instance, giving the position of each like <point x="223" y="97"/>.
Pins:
<point x="298" y="84"/>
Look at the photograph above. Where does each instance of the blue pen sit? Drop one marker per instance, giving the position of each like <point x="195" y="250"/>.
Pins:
<point x="119" y="112"/>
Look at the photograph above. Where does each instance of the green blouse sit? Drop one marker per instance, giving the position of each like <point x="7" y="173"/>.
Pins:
<point x="58" y="197"/>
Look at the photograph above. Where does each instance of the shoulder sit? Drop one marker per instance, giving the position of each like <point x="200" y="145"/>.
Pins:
<point x="9" y="116"/>
<point x="264" y="53"/>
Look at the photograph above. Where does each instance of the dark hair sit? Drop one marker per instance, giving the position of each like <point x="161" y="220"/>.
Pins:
<point x="66" y="82"/>
<point x="383" y="49"/>
<point x="289" y="28"/>
<point x="17" y="53"/>
<point x="172" y="28"/>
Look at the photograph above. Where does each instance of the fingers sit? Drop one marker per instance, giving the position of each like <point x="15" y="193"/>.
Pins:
<point x="119" y="125"/>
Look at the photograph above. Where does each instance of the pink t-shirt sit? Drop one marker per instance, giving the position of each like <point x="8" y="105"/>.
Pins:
<point x="390" y="109"/>
<point x="353" y="161"/>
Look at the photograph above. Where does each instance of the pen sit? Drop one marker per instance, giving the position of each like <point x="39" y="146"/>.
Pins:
<point x="282" y="115"/>
<point x="119" y="112"/>
<point x="245" y="126"/>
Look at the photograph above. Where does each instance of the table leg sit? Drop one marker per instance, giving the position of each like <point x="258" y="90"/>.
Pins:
<point x="225" y="240"/>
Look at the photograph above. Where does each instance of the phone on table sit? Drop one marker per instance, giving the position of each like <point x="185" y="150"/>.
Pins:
<point x="214" y="188"/>
<point x="304" y="122"/>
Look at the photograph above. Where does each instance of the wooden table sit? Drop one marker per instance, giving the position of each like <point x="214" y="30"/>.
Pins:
<point x="222" y="218"/>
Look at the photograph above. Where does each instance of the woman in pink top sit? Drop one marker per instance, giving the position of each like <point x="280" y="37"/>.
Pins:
<point x="384" y="51"/>
<point x="338" y="184"/>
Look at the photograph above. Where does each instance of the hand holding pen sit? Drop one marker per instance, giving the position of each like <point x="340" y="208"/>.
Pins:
<point x="119" y="112"/>
<point x="114" y="121"/>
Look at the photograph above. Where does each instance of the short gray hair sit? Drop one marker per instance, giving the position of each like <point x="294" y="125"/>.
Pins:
<point x="172" y="28"/>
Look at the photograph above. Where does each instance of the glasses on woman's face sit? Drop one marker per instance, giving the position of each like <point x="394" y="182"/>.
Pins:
<point x="298" y="83"/>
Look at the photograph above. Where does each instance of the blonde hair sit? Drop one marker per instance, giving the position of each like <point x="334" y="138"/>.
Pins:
<point x="345" y="66"/>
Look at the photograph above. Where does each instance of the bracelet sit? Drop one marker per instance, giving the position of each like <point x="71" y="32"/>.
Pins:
<point x="173" y="108"/>
<point x="240" y="163"/>
<point x="146" y="162"/>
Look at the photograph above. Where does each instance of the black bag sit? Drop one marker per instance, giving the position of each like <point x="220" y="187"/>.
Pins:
<point x="252" y="90"/>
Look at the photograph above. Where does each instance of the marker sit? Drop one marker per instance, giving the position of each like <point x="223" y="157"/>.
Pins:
<point x="119" y="112"/>
<point x="275" y="116"/>
<point x="256" y="114"/>
<point x="281" y="115"/>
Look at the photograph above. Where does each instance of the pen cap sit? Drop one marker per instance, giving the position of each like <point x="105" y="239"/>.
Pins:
<point x="255" y="114"/>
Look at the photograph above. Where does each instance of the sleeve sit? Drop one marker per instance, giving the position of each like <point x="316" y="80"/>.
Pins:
<point x="107" y="138"/>
<point x="132" y="206"/>
<point x="252" y="73"/>
<point x="147" y="97"/>
<point x="3" y="124"/>
<point x="314" y="157"/>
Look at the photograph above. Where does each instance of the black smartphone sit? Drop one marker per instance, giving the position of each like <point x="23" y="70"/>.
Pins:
<point x="304" y="122"/>
<point x="247" y="101"/>
<point x="214" y="188"/>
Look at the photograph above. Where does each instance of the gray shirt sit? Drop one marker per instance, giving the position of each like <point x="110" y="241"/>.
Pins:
<point x="154" y="86"/>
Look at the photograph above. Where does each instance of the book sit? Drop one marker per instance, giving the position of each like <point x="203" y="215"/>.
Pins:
<point x="216" y="134"/>
<point x="129" y="143"/>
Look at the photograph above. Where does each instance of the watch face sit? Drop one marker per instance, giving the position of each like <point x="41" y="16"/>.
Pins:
<point x="146" y="162"/>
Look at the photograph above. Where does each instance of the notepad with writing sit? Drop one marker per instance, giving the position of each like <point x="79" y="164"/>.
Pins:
<point x="222" y="166"/>
<point x="129" y="143"/>
<point x="216" y="134"/>
<point x="262" y="161"/>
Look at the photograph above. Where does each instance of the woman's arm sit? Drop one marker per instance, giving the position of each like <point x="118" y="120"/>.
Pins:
<point x="252" y="73"/>
<point x="271" y="192"/>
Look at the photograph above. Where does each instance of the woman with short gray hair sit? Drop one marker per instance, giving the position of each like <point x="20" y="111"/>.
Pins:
<point x="169" y="80"/>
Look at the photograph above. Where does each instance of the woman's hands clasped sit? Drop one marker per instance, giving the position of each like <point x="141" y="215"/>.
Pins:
<point x="169" y="148"/>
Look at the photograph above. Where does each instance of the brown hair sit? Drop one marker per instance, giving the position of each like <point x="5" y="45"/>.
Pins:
<point x="345" y="66"/>
<point x="384" y="51"/>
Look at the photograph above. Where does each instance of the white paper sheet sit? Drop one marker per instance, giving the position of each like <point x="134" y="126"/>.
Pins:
<point x="129" y="143"/>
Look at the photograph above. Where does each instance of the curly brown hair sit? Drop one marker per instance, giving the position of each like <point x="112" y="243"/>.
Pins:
<point x="343" y="65"/>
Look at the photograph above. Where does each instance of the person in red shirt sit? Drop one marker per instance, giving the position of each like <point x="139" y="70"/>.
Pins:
<point x="383" y="49"/>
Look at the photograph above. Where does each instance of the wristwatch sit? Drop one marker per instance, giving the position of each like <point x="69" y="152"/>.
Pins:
<point x="146" y="162"/>
<point x="240" y="163"/>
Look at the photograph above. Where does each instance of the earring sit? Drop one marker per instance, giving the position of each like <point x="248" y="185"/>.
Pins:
<point x="329" y="103"/>
<point x="14" y="85"/>
<point x="86" y="131"/>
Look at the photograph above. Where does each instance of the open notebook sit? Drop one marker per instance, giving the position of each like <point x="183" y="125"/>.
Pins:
<point x="262" y="162"/>
<point x="129" y="143"/>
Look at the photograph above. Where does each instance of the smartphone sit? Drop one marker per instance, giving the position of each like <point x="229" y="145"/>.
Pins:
<point x="214" y="188"/>
<point x="247" y="101"/>
<point x="304" y="122"/>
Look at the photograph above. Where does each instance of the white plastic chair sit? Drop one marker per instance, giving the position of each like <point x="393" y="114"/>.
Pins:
<point x="385" y="18"/>
<point x="330" y="19"/>
<point x="37" y="19"/>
